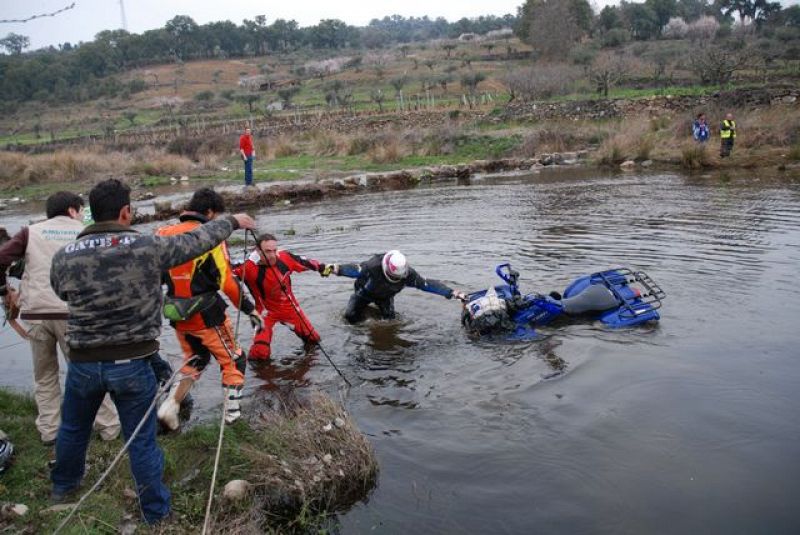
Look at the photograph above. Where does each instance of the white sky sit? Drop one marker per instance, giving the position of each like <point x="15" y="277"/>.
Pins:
<point x="89" y="17"/>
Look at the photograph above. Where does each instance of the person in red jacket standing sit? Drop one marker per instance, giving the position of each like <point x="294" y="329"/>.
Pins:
<point x="267" y="275"/>
<point x="248" y="154"/>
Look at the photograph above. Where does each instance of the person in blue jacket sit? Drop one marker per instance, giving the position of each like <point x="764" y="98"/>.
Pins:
<point x="700" y="130"/>
<point x="382" y="277"/>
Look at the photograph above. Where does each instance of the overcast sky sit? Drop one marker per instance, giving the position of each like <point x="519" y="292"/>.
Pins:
<point x="89" y="17"/>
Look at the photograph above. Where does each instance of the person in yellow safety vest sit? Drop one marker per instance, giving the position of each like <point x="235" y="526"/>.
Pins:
<point x="727" y="133"/>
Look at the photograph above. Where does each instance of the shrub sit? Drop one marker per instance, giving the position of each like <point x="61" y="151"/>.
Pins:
<point x="283" y="147"/>
<point x="185" y="146"/>
<point x="388" y="151"/>
<point x="328" y="144"/>
<point x="137" y="85"/>
<point x="204" y="96"/>
<point x="218" y="146"/>
<point x="615" y="37"/>
<point x="611" y="153"/>
<point x="360" y="145"/>
<point x="13" y="166"/>
<point x="644" y="147"/>
<point x="695" y="156"/>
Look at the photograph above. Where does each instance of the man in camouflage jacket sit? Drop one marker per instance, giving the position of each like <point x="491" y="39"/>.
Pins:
<point x="110" y="278"/>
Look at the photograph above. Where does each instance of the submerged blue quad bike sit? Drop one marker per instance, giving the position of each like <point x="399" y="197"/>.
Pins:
<point x="616" y="297"/>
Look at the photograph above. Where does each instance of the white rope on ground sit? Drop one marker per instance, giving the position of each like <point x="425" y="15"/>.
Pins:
<point x="160" y="392"/>
<point x="207" y="518"/>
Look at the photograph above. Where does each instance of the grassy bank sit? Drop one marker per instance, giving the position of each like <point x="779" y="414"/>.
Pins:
<point x="766" y="137"/>
<point x="304" y="462"/>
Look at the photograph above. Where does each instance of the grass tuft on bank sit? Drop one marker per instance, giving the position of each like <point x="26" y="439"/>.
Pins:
<point x="305" y="462"/>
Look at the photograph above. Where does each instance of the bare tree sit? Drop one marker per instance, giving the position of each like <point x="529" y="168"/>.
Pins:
<point x="378" y="97"/>
<point x="715" y="64"/>
<point x="541" y="82"/>
<point x="607" y="71"/>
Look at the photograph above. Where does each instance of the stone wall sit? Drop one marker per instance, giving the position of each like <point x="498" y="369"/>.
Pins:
<point x="655" y="105"/>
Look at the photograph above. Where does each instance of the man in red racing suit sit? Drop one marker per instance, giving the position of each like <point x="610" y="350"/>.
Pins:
<point x="267" y="275"/>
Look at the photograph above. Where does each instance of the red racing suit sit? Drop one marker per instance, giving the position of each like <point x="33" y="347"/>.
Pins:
<point x="271" y="287"/>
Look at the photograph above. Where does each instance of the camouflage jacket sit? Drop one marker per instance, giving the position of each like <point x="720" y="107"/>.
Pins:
<point x="110" y="278"/>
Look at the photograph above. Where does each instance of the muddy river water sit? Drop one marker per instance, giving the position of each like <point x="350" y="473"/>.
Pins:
<point x="690" y="426"/>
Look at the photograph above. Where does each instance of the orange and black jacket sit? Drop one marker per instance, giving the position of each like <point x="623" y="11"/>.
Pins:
<point x="206" y="274"/>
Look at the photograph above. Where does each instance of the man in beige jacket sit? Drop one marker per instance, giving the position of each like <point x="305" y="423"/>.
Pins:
<point x="44" y="312"/>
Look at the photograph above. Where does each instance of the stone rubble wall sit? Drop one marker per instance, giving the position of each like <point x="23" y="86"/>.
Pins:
<point x="654" y="105"/>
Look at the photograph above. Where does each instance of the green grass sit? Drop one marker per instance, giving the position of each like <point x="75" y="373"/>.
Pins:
<point x="189" y="462"/>
<point x="34" y="191"/>
<point x="466" y="149"/>
<point x="254" y="454"/>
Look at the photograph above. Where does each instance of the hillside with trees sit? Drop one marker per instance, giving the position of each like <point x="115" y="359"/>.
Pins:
<point x="181" y="80"/>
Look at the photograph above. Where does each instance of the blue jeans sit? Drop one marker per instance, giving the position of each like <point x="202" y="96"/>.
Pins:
<point x="132" y="386"/>
<point x="248" y="171"/>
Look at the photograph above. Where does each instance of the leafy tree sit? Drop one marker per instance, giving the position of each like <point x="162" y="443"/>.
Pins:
<point x="15" y="43"/>
<point x="251" y="99"/>
<point x="610" y="18"/>
<point x="554" y="26"/>
<point x="578" y="12"/>
<point x="183" y="31"/>
<point x="286" y="95"/>
<point x="448" y="48"/>
<point x="756" y="11"/>
<point x="663" y="10"/>
<point x="642" y="20"/>
<point x="470" y="82"/>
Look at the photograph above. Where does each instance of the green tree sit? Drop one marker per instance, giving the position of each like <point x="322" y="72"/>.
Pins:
<point x="663" y="10"/>
<point x="183" y="30"/>
<point x="15" y="43"/>
<point x="286" y="95"/>
<point x="552" y="27"/>
<point x="756" y="11"/>
<point x="642" y="20"/>
<point x="250" y="99"/>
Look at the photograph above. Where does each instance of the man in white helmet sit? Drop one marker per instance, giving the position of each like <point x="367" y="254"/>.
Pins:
<point x="382" y="277"/>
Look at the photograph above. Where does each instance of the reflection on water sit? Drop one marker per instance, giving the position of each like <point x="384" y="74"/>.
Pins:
<point x="689" y="426"/>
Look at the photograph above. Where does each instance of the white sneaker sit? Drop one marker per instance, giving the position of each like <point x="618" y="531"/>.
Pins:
<point x="233" y="409"/>
<point x="168" y="414"/>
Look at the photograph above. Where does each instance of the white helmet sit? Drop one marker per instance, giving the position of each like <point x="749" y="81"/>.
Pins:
<point x="395" y="266"/>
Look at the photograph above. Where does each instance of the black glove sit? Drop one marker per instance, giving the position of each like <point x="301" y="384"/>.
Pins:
<point x="256" y="321"/>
